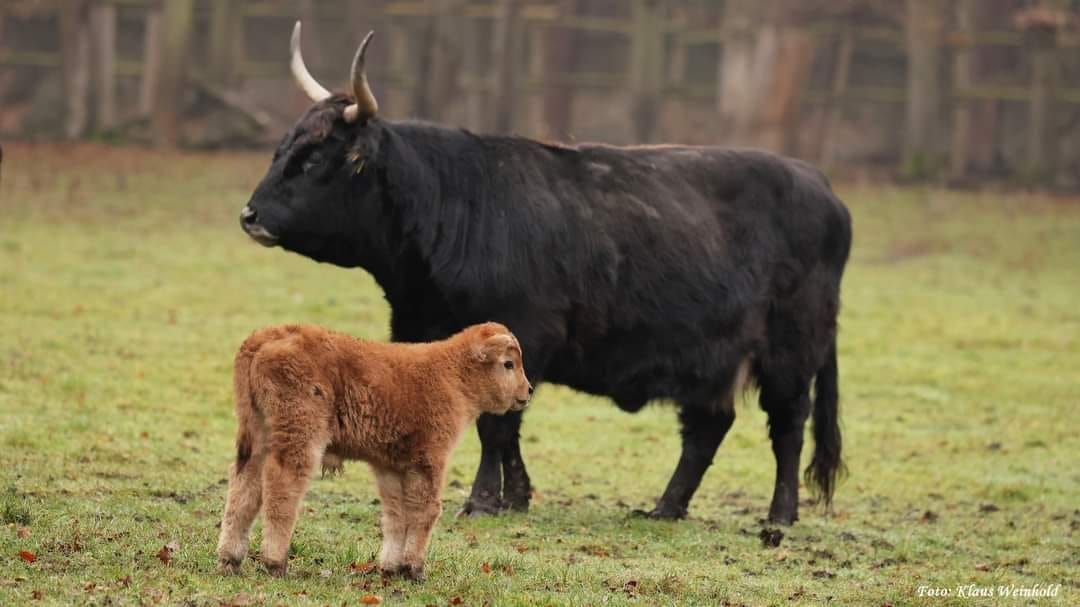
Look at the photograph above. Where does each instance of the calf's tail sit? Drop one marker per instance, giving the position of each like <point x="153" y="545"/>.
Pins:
<point x="244" y="395"/>
<point x="826" y="465"/>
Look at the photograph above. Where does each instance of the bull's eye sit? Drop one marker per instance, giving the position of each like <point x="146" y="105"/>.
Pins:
<point x="509" y="365"/>
<point x="310" y="163"/>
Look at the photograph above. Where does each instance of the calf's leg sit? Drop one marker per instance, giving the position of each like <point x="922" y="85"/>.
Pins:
<point x="286" y="474"/>
<point x="423" y="504"/>
<point x="394" y="523"/>
<point x="703" y="428"/>
<point x="241" y="506"/>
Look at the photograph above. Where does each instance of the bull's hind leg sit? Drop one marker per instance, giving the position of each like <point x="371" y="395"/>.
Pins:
<point x="286" y="474"/>
<point x="241" y="507"/>
<point x="703" y="429"/>
<point x="786" y="399"/>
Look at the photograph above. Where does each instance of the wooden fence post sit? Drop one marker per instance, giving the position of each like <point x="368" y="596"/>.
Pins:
<point x="103" y="26"/>
<point x="151" y="60"/>
<point x="477" y="81"/>
<point x="646" y="68"/>
<point x="559" y="61"/>
<point x="75" y="51"/>
<point x="924" y="36"/>
<point x="506" y="50"/>
<point x="223" y="29"/>
<point x="826" y="152"/>
<point x="1040" y="27"/>
<point x="177" y="24"/>
<point x="963" y="79"/>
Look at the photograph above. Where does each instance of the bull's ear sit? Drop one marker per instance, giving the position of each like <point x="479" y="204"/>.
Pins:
<point x="493" y="346"/>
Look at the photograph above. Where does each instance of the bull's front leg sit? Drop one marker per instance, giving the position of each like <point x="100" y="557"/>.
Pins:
<point x="703" y="429"/>
<point x="517" y="489"/>
<point x="500" y="453"/>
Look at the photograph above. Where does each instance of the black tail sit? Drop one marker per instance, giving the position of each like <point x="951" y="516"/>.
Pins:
<point x="826" y="465"/>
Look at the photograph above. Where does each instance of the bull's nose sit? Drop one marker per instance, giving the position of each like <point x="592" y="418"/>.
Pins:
<point x="247" y="215"/>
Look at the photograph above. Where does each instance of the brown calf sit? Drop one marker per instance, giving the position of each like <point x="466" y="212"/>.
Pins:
<point x="305" y="396"/>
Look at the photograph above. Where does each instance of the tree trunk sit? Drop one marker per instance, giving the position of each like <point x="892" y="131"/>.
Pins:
<point x="169" y="102"/>
<point x="924" y="45"/>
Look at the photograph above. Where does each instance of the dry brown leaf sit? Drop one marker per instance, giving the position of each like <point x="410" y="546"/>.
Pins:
<point x="485" y="567"/>
<point x="165" y="555"/>
<point x="370" y="599"/>
<point x="27" y="556"/>
<point x="367" y="567"/>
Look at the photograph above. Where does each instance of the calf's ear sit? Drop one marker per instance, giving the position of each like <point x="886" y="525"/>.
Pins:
<point x="493" y="346"/>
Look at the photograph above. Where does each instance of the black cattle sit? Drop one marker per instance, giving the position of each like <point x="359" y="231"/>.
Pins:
<point x="640" y="273"/>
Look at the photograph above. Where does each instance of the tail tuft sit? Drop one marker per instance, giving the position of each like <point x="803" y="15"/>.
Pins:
<point x="826" y="466"/>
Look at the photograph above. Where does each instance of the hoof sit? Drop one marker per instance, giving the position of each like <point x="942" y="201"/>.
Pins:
<point x="516" y="503"/>
<point x="476" y="507"/>
<point x="661" y="513"/>
<point x="276" y="569"/>
<point x="229" y="566"/>
<point x="412" y="572"/>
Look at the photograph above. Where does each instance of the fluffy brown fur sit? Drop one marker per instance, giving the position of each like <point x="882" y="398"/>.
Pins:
<point x="306" y="396"/>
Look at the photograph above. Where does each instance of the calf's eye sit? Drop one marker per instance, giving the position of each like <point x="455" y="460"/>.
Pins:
<point x="508" y="365"/>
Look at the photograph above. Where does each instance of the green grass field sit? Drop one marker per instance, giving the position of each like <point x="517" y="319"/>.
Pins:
<point x="126" y="286"/>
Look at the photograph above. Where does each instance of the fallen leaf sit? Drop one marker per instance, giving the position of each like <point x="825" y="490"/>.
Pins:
<point x="630" y="587"/>
<point x="521" y="548"/>
<point x="90" y="586"/>
<point x="456" y="600"/>
<point x="23" y="533"/>
<point x="27" y="556"/>
<point x="982" y="567"/>
<point x="485" y="567"/>
<point x="508" y="569"/>
<point x="367" y="567"/>
<point x="370" y="599"/>
<point x="929" y="517"/>
<point x="36" y="595"/>
<point x="165" y="555"/>
<point x="124" y="581"/>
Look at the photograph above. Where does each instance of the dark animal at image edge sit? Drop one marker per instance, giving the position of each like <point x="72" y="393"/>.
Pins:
<point x="636" y="273"/>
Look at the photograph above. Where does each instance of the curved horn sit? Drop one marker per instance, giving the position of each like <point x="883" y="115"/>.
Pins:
<point x="365" y="106"/>
<point x="303" y="77"/>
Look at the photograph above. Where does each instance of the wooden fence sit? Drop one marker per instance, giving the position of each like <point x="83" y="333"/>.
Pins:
<point x="652" y="76"/>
